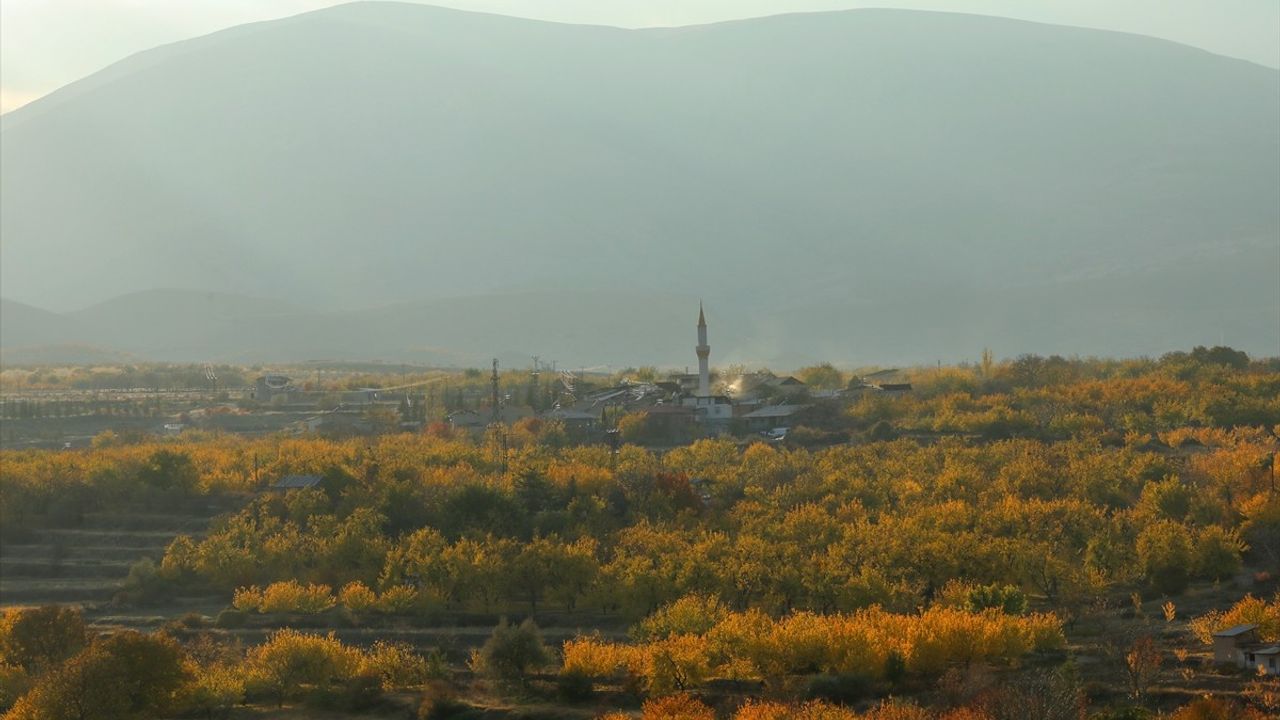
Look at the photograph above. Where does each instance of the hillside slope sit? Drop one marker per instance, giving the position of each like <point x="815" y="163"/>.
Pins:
<point x="886" y="168"/>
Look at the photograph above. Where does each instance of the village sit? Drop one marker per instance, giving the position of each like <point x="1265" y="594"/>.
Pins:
<point x="643" y="406"/>
<point x="672" y="410"/>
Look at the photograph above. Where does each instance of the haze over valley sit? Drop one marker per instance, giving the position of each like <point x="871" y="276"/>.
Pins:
<point x="408" y="183"/>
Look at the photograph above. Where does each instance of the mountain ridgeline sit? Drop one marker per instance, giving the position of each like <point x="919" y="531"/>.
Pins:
<point x="411" y="183"/>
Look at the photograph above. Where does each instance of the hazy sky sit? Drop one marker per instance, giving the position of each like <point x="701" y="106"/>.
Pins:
<point x="45" y="44"/>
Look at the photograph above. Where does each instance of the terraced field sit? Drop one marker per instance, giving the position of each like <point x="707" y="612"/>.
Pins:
<point x="87" y="563"/>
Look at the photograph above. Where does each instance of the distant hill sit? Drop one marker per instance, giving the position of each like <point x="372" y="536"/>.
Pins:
<point x="862" y="186"/>
<point x="22" y="324"/>
<point x="614" y="328"/>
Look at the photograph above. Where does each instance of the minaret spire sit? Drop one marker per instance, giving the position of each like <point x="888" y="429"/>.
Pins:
<point x="704" y="355"/>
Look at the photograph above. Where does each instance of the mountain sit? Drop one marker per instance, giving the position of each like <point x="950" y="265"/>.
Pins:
<point x="865" y="186"/>
<point x="192" y="327"/>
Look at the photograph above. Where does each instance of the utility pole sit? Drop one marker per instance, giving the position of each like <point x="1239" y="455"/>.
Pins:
<point x="499" y="433"/>
<point x="497" y="415"/>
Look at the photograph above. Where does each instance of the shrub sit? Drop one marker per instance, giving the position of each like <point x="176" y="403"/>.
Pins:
<point x="895" y="667"/>
<point x="292" y="597"/>
<point x="396" y="665"/>
<point x="692" y="614"/>
<point x="231" y="619"/>
<point x="1211" y="708"/>
<point x="596" y="658"/>
<point x="871" y="643"/>
<point x="841" y="689"/>
<point x="361" y="692"/>
<point x="897" y="710"/>
<point x="290" y="661"/>
<point x="247" y="599"/>
<point x="676" y="707"/>
<point x="575" y="686"/>
<point x="677" y="663"/>
<point x="782" y="711"/>
<point x="440" y="702"/>
<point x="1131" y="712"/>
<point x="14" y="681"/>
<point x="398" y="600"/>
<point x="356" y="597"/>
<point x="882" y="431"/>
<point x="214" y="689"/>
<point x="511" y="652"/>
<point x="143" y="581"/>
<point x="1006" y="598"/>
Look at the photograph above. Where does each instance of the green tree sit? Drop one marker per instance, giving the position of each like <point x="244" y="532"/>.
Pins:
<point x="1217" y="553"/>
<point x="511" y="653"/>
<point x="823" y="376"/>
<point x="169" y="470"/>
<point x="1165" y="556"/>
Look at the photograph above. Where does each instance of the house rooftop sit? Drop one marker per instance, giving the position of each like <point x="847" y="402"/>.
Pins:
<point x="669" y="409"/>
<point x="774" y="411"/>
<point x="1236" y="631"/>
<point x="563" y="414"/>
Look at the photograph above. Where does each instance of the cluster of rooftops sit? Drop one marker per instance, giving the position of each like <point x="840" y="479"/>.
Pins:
<point x="760" y="400"/>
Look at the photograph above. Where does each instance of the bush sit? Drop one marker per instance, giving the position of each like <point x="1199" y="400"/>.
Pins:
<point x="814" y="710"/>
<point x="290" y="661"/>
<point x="575" y="687"/>
<point x="293" y="597"/>
<point x="677" y="707"/>
<point x="356" y="597"/>
<point x="396" y="665"/>
<point x="231" y="619"/>
<point x="215" y="689"/>
<point x="361" y="692"/>
<point x="1124" y="713"/>
<point x="193" y="621"/>
<point x="882" y="432"/>
<point x="1211" y="708"/>
<point x="692" y="614"/>
<point x="1007" y="598"/>
<point x="895" y="667"/>
<point x="247" y="599"/>
<point x="841" y="689"/>
<point x="511" y="652"/>
<point x="440" y="702"/>
<point x="14" y="681"/>
<point x="144" y="581"/>
<point x="397" y="600"/>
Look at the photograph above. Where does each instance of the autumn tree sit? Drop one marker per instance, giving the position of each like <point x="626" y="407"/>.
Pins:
<point x="128" y="675"/>
<point x="1165" y="555"/>
<point x="1142" y="665"/>
<point x="37" y="639"/>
